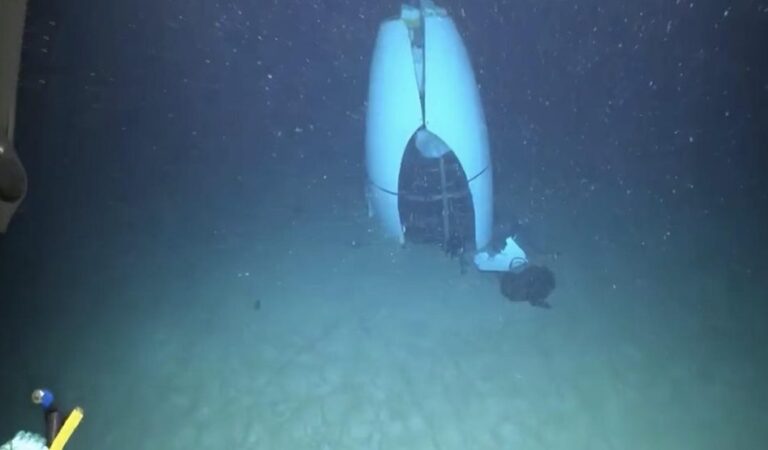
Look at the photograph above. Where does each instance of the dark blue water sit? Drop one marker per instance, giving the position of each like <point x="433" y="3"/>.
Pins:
<point x="194" y="266"/>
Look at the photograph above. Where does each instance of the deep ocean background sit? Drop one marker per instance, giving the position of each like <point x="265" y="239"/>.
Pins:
<point x="194" y="264"/>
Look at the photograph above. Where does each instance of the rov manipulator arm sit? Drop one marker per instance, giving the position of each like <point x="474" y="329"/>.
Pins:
<point x="58" y="427"/>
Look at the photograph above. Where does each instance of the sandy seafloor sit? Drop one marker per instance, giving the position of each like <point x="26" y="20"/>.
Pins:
<point x="304" y="329"/>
